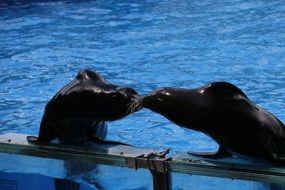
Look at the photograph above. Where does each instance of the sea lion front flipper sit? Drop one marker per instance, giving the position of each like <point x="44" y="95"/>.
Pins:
<point x="221" y="153"/>
<point x="46" y="133"/>
<point x="99" y="140"/>
<point x="277" y="151"/>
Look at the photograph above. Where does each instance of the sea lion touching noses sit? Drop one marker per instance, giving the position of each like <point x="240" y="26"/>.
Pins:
<point x="223" y="112"/>
<point x="86" y="102"/>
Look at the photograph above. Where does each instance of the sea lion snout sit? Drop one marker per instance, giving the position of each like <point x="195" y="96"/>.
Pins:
<point x="155" y="99"/>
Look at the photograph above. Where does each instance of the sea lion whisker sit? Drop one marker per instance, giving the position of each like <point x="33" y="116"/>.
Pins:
<point x="135" y="106"/>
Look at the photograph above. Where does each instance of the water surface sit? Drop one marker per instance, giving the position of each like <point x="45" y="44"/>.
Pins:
<point x="145" y="45"/>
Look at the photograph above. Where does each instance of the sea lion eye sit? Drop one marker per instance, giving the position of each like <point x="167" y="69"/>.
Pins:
<point x="165" y="92"/>
<point x="128" y="91"/>
<point x="97" y="90"/>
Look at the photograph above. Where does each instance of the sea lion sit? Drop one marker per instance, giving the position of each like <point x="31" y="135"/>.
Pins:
<point x="223" y="112"/>
<point x="82" y="105"/>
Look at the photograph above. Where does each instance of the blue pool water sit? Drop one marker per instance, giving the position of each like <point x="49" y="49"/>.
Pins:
<point x="145" y="45"/>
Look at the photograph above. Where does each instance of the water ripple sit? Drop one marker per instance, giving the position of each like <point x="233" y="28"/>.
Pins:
<point x="146" y="45"/>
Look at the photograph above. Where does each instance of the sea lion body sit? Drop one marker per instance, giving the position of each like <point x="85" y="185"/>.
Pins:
<point x="223" y="112"/>
<point x="86" y="102"/>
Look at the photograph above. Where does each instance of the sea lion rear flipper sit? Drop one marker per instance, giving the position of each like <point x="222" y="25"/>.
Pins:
<point x="277" y="153"/>
<point x="99" y="140"/>
<point x="221" y="153"/>
<point x="279" y="158"/>
<point x="46" y="133"/>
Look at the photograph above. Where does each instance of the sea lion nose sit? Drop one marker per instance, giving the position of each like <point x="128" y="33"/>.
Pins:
<point x="146" y="100"/>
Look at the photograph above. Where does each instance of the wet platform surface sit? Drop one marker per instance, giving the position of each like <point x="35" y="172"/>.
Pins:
<point x="16" y="148"/>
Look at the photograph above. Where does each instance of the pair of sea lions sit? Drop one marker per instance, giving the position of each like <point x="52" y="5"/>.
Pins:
<point x="220" y="110"/>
